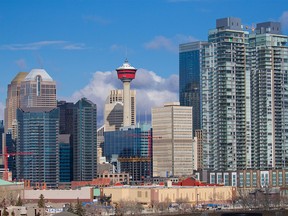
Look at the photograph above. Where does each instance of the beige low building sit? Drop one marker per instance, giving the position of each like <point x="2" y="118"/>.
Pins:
<point x="11" y="191"/>
<point x="193" y="195"/>
<point x="84" y="194"/>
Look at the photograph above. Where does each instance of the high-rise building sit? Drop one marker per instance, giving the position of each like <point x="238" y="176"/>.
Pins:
<point x="126" y="73"/>
<point x="224" y="90"/>
<point x="38" y="130"/>
<point x="13" y="103"/>
<point x="100" y="144"/>
<point x="245" y="97"/>
<point x="131" y="148"/>
<point x="38" y="90"/>
<point x="66" y="117"/>
<point x="1" y="132"/>
<point x="198" y="150"/>
<point x="172" y="153"/>
<point x="65" y="159"/>
<point x="268" y="60"/>
<point x="85" y="141"/>
<point x="113" y="110"/>
<point x="190" y="79"/>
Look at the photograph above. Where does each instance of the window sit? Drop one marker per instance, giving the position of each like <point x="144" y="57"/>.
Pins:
<point x="280" y="178"/>
<point x="38" y="79"/>
<point x="274" y="183"/>
<point x="248" y="180"/>
<point x="254" y="180"/>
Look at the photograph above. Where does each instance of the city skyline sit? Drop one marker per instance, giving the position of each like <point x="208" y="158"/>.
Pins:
<point x="90" y="39"/>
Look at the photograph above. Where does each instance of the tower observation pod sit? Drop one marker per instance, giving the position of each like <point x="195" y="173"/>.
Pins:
<point x="126" y="73"/>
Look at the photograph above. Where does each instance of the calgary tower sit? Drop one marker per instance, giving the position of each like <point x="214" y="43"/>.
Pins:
<point x="126" y="73"/>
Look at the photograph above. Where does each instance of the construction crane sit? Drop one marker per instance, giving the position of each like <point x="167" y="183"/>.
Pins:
<point x="6" y="155"/>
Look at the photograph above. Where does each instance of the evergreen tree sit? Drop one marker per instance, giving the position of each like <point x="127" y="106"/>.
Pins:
<point x="71" y="208"/>
<point x="41" y="202"/>
<point x="19" y="201"/>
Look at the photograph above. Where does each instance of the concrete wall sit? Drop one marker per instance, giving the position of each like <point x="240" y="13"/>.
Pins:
<point x="84" y="194"/>
<point x="142" y="195"/>
<point x="160" y="194"/>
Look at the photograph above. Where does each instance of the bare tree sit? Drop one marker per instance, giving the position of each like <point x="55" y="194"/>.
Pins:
<point x="163" y="206"/>
<point x="93" y="209"/>
<point x="183" y="203"/>
<point x="128" y="207"/>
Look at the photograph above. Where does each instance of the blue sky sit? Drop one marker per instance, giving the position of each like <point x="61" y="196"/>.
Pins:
<point x="81" y="42"/>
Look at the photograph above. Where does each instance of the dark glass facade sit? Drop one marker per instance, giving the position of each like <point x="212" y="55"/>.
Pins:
<point x="66" y="117"/>
<point x="65" y="158"/>
<point x="85" y="141"/>
<point x="189" y="79"/>
<point x="11" y="148"/>
<point x="124" y="143"/>
<point x="38" y="130"/>
<point x="132" y="146"/>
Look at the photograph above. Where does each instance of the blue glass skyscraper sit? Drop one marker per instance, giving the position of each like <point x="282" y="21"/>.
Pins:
<point x="85" y="141"/>
<point x="190" y="79"/>
<point x="132" y="146"/>
<point x="38" y="130"/>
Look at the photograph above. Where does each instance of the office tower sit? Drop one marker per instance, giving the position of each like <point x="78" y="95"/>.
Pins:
<point x="113" y="110"/>
<point x="100" y="143"/>
<point x="198" y="150"/>
<point x="269" y="96"/>
<point x="224" y="90"/>
<point x="66" y="117"/>
<point x="126" y="73"/>
<point x="85" y="141"/>
<point x="38" y="130"/>
<point x="13" y="103"/>
<point x="190" y="79"/>
<point x="66" y="111"/>
<point x="131" y="148"/>
<point x="172" y="153"/>
<point x="65" y="158"/>
<point x="2" y="143"/>
<point x="1" y="132"/>
<point x="38" y="90"/>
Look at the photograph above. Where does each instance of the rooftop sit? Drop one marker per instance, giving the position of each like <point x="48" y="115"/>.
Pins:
<point x="20" y="77"/>
<point x="38" y="72"/>
<point x="126" y="65"/>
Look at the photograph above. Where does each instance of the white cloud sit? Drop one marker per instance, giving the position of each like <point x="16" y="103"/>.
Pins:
<point x="169" y="44"/>
<point x="41" y="44"/>
<point x="21" y="63"/>
<point x="161" y="42"/>
<point x="152" y="90"/>
<point x="2" y="107"/>
<point x="76" y="46"/>
<point x="284" y="20"/>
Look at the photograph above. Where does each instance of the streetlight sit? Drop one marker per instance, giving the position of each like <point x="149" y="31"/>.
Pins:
<point x="197" y="200"/>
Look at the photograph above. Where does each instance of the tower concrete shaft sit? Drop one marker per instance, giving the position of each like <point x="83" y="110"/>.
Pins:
<point x="126" y="73"/>
<point x="127" y="104"/>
